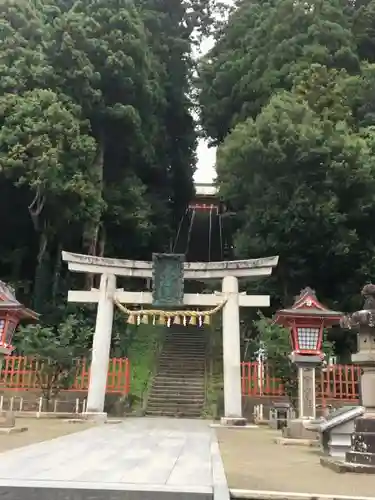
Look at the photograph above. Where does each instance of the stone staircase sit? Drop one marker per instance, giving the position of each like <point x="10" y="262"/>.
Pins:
<point x="178" y="389"/>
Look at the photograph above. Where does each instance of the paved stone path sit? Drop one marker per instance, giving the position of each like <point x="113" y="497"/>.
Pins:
<point x="139" y="454"/>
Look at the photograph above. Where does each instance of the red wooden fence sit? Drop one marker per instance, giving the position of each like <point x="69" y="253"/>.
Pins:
<point x="332" y="382"/>
<point x="19" y="373"/>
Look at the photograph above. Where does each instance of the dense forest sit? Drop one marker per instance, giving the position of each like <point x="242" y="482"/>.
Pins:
<point x="98" y="137"/>
<point x="287" y="94"/>
<point x="97" y="145"/>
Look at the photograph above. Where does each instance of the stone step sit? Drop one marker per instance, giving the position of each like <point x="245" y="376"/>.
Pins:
<point x="196" y="332"/>
<point x="181" y="370"/>
<point x="176" y="362"/>
<point x="198" y="363"/>
<point x="174" y="413"/>
<point x="175" y="405"/>
<point x="179" y="342"/>
<point x="182" y="367"/>
<point x="182" y="378"/>
<point x="184" y="353"/>
<point x="178" y="389"/>
<point x="181" y="374"/>
<point x="183" y="389"/>
<point x="187" y="356"/>
<point x="185" y="340"/>
<point x="184" y="347"/>
<point x="158" y="392"/>
<point x="189" y="393"/>
<point x="175" y="399"/>
<point x="176" y="373"/>
<point x="190" y="382"/>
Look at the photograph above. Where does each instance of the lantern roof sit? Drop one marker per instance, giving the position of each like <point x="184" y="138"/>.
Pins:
<point x="306" y="305"/>
<point x="9" y="303"/>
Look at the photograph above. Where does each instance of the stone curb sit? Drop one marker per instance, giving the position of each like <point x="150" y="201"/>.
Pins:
<point x="13" y="430"/>
<point x="219" y="480"/>
<point x="287" y="495"/>
<point x="297" y="442"/>
<point x="341" y="467"/>
<point x="239" y="427"/>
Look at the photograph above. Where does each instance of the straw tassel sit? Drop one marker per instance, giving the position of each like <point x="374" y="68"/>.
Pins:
<point x="131" y="319"/>
<point x="207" y="320"/>
<point x="145" y="319"/>
<point x="193" y="321"/>
<point x="177" y="320"/>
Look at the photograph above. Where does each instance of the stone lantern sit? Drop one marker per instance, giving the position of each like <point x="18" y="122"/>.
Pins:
<point x="361" y="457"/>
<point x="11" y="313"/>
<point x="306" y="320"/>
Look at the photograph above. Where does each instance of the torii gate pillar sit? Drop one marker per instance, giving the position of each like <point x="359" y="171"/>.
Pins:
<point x="231" y="352"/>
<point x="101" y="346"/>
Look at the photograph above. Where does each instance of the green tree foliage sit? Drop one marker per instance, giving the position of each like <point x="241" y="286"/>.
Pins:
<point x="56" y="351"/>
<point x="287" y="94"/>
<point x="97" y="139"/>
<point x="303" y="188"/>
<point x="261" y="50"/>
<point x="276" y="340"/>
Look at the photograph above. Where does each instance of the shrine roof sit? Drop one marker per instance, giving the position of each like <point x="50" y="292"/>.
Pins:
<point x="8" y="302"/>
<point x="306" y="304"/>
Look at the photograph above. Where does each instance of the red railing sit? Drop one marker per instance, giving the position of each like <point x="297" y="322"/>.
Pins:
<point x="333" y="382"/>
<point x="338" y="382"/>
<point x="21" y="373"/>
<point x="257" y="380"/>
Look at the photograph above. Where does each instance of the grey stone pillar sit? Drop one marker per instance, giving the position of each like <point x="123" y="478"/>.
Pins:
<point x="232" y="354"/>
<point x="101" y="347"/>
<point x="306" y="397"/>
<point x="306" y="391"/>
<point x="306" y="384"/>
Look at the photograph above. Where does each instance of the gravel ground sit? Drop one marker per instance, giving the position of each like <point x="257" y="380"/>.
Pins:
<point x="39" y="430"/>
<point x="253" y="461"/>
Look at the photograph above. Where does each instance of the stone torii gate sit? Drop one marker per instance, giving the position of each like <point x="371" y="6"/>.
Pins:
<point x="227" y="271"/>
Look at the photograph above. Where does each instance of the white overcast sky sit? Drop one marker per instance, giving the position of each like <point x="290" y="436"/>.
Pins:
<point x="206" y="156"/>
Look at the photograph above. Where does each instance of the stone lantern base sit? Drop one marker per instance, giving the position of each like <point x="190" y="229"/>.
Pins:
<point x="361" y="457"/>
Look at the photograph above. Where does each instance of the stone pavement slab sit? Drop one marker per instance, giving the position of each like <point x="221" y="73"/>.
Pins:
<point x="154" y="455"/>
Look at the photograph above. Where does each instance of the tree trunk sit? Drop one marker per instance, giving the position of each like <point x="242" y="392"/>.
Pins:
<point x="92" y="227"/>
<point x="41" y="282"/>
<point x="56" y="274"/>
